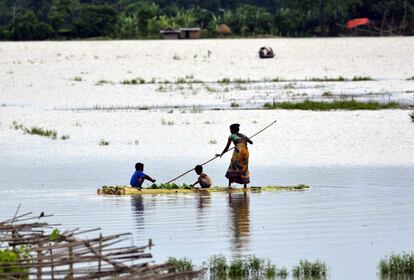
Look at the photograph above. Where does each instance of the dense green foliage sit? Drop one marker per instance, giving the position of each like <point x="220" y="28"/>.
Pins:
<point x="130" y="19"/>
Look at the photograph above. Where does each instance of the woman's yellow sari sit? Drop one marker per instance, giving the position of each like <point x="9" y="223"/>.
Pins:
<point x="238" y="171"/>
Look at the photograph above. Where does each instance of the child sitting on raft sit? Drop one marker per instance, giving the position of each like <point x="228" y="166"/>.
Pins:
<point x="139" y="176"/>
<point x="203" y="179"/>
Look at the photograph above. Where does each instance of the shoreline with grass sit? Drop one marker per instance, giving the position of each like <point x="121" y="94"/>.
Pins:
<point x="350" y="105"/>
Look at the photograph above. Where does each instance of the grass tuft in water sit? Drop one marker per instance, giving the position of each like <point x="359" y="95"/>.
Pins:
<point x="35" y="130"/>
<point x="103" y="142"/>
<point x="250" y="267"/>
<point x="179" y="265"/>
<point x="306" y="269"/>
<point x="397" y="266"/>
<point x="77" y="79"/>
<point x="328" y="79"/>
<point x="361" y="78"/>
<point x="234" y="104"/>
<point x="103" y="82"/>
<point x="224" y="81"/>
<point x="135" y="81"/>
<point x="218" y="266"/>
<point x="335" y="105"/>
<point x="164" y="122"/>
<point x="327" y="94"/>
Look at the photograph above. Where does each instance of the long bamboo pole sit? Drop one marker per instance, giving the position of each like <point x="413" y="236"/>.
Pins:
<point x="185" y="173"/>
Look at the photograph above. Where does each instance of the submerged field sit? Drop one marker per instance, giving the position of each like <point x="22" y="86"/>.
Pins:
<point x="77" y="115"/>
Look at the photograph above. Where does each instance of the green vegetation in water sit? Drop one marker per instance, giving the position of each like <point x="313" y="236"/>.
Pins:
<point x="34" y="130"/>
<point x="136" y="81"/>
<point x="224" y="81"/>
<point x="179" y="265"/>
<point x="410" y="78"/>
<point x="234" y="104"/>
<point x="164" y="122"/>
<point x="335" y="105"/>
<point x="328" y="79"/>
<point x="9" y="262"/>
<point x="77" y="79"/>
<point x="250" y="267"/>
<point x="307" y="269"/>
<point x="361" y="78"/>
<point x="397" y="266"/>
<point x="103" y="142"/>
<point x="172" y="186"/>
<point x="327" y="94"/>
<point x="103" y="82"/>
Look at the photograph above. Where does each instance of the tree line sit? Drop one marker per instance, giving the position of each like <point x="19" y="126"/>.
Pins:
<point x="143" y="19"/>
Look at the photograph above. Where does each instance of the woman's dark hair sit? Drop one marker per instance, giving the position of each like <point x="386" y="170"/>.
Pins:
<point x="139" y="166"/>
<point x="198" y="169"/>
<point x="235" y="127"/>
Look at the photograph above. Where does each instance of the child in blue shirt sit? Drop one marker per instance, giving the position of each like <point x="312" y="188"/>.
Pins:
<point x="139" y="176"/>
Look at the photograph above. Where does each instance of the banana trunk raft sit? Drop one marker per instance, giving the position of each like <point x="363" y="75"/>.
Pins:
<point x="173" y="188"/>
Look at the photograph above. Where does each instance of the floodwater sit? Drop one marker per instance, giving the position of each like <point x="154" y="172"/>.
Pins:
<point x="359" y="164"/>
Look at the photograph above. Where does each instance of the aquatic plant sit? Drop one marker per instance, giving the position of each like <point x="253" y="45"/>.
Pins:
<point x="35" y="130"/>
<point x="241" y="81"/>
<point x="249" y="267"/>
<point x="361" y="78"/>
<point x="218" y="266"/>
<point x="164" y="122"/>
<point x="234" y="104"/>
<point x="328" y="79"/>
<point x="103" y="82"/>
<point x="327" y="94"/>
<point x="179" y="265"/>
<point x="135" y="81"/>
<point x="103" y="142"/>
<point x="306" y="269"/>
<point x="396" y="266"/>
<point x="335" y="105"/>
<point x="77" y="79"/>
<point x="410" y="78"/>
<point x="224" y="81"/>
<point x="64" y="137"/>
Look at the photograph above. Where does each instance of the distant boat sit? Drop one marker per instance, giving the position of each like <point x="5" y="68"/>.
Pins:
<point x="266" y="52"/>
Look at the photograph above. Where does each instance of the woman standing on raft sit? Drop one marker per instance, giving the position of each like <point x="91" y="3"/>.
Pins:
<point x="238" y="171"/>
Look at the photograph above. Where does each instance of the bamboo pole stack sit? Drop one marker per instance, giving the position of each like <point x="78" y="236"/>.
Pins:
<point x="66" y="255"/>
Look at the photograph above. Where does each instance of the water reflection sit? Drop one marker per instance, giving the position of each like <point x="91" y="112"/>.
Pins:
<point x="138" y="210"/>
<point x="240" y="222"/>
<point x="203" y="204"/>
